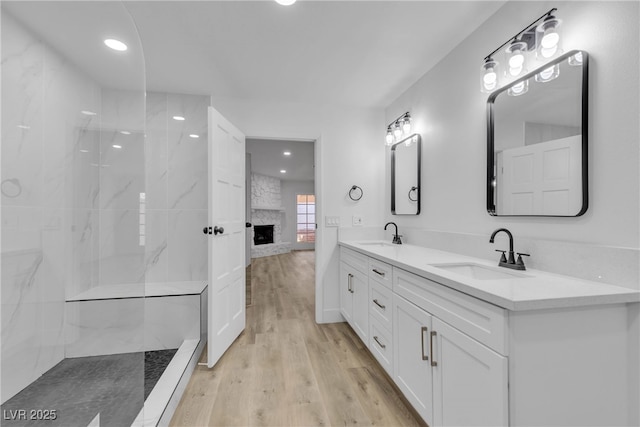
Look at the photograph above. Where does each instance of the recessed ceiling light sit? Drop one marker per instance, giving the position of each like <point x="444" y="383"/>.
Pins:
<point x="286" y="2"/>
<point x="125" y="132"/>
<point x="178" y="118"/>
<point x="117" y="146"/>
<point x="193" y="135"/>
<point x="116" y="45"/>
<point x="283" y="171"/>
<point x="287" y="153"/>
<point x="88" y="113"/>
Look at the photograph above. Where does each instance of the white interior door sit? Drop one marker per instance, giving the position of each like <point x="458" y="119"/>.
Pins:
<point x="542" y="179"/>
<point x="226" y="235"/>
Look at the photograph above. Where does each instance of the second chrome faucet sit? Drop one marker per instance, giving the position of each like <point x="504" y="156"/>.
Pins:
<point x="511" y="262"/>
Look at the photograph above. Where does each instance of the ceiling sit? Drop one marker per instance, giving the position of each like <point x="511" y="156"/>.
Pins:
<point x="267" y="158"/>
<point x="355" y="53"/>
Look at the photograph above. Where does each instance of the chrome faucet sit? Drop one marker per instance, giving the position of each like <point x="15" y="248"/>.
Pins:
<point x="511" y="262"/>
<point x="396" y="236"/>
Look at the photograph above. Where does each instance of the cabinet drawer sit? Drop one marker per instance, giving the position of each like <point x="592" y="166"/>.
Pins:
<point x="380" y="301"/>
<point x="381" y="272"/>
<point x="480" y="320"/>
<point x="381" y="345"/>
<point x="354" y="259"/>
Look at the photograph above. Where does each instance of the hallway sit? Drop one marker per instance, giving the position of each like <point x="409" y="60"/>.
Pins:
<point x="286" y="370"/>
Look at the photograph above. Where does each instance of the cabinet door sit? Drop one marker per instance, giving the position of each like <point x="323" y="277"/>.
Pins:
<point x="411" y="359"/>
<point x="469" y="380"/>
<point x="346" y="296"/>
<point x="360" y="314"/>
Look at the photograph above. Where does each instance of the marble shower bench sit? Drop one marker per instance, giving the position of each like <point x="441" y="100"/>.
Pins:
<point x="127" y="318"/>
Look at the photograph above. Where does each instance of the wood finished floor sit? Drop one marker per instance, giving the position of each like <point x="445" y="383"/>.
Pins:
<point x="286" y="370"/>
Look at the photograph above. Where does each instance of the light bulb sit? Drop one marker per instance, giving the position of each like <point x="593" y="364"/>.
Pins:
<point x="389" y="137"/>
<point x="548" y="74"/>
<point x="548" y="37"/>
<point x="576" y="59"/>
<point x="489" y="79"/>
<point x="397" y="131"/>
<point x="406" y="125"/>
<point x="519" y="88"/>
<point x="516" y="58"/>
<point x="115" y="45"/>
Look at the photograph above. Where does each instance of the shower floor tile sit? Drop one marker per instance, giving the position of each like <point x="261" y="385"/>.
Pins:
<point x="80" y="388"/>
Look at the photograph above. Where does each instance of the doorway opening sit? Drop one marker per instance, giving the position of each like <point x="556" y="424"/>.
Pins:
<point x="281" y="199"/>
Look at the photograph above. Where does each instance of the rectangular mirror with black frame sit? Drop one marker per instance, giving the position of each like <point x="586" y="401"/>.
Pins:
<point x="405" y="176"/>
<point x="537" y="141"/>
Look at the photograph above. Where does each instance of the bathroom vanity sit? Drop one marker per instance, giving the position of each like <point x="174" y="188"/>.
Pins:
<point x="470" y="343"/>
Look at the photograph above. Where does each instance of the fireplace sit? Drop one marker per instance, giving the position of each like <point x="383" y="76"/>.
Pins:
<point x="263" y="234"/>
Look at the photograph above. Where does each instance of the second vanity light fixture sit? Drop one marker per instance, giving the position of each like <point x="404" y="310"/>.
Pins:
<point x="398" y="129"/>
<point x="542" y="36"/>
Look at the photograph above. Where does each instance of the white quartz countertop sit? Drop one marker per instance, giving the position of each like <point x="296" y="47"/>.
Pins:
<point x="533" y="290"/>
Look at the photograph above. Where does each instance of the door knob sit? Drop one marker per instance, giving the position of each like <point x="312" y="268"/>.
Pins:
<point x="206" y="230"/>
<point x="218" y="230"/>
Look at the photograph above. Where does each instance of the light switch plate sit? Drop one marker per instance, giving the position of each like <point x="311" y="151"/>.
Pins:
<point x="332" y="221"/>
<point x="357" y="220"/>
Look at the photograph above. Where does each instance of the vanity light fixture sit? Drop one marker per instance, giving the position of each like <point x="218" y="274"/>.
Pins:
<point x="548" y="37"/>
<point x="541" y="37"/>
<point x="116" y="146"/>
<point x="125" y="132"/>
<point x="88" y="113"/>
<point x="178" y="118"/>
<point x="398" y="129"/>
<point x="194" y="136"/>
<point x="287" y="153"/>
<point x="283" y="171"/>
<point x="285" y="2"/>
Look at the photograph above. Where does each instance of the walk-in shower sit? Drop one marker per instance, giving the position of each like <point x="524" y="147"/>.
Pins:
<point x="88" y="321"/>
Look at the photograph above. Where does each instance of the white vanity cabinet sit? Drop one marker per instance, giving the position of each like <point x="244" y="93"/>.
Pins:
<point x="448" y="376"/>
<point x="544" y="350"/>
<point x="354" y="292"/>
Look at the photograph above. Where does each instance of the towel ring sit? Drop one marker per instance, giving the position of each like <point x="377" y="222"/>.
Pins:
<point x="411" y="191"/>
<point x="355" y="188"/>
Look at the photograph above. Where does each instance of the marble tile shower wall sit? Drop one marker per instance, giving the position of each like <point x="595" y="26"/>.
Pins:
<point x="65" y="193"/>
<point x="176" y="196"/>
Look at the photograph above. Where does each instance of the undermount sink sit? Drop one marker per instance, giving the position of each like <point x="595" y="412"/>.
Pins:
<point x="480" y="272"/>
<point x="379" y="244"/>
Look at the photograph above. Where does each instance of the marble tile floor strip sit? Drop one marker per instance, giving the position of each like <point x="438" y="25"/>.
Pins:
<point x="80" y="388"/>
<point x="287" y="370"/>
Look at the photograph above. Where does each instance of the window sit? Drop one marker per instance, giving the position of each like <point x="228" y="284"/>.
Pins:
<point x="306" y="222"/>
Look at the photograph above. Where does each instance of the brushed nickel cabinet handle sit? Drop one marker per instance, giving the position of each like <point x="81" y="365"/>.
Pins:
<point x="433" y="361"/>
<point x="379" y="273"/>
<point x="379" y="343"/>
<point x="379" y="305"/>
<point x="349" y="285"/>
<point x="422" y="331"/>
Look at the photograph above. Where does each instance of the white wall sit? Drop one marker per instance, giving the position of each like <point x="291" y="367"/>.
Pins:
<point x="449" y="111"/>
<point x="290" y="189"/>
<point x="349" y="150"/>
